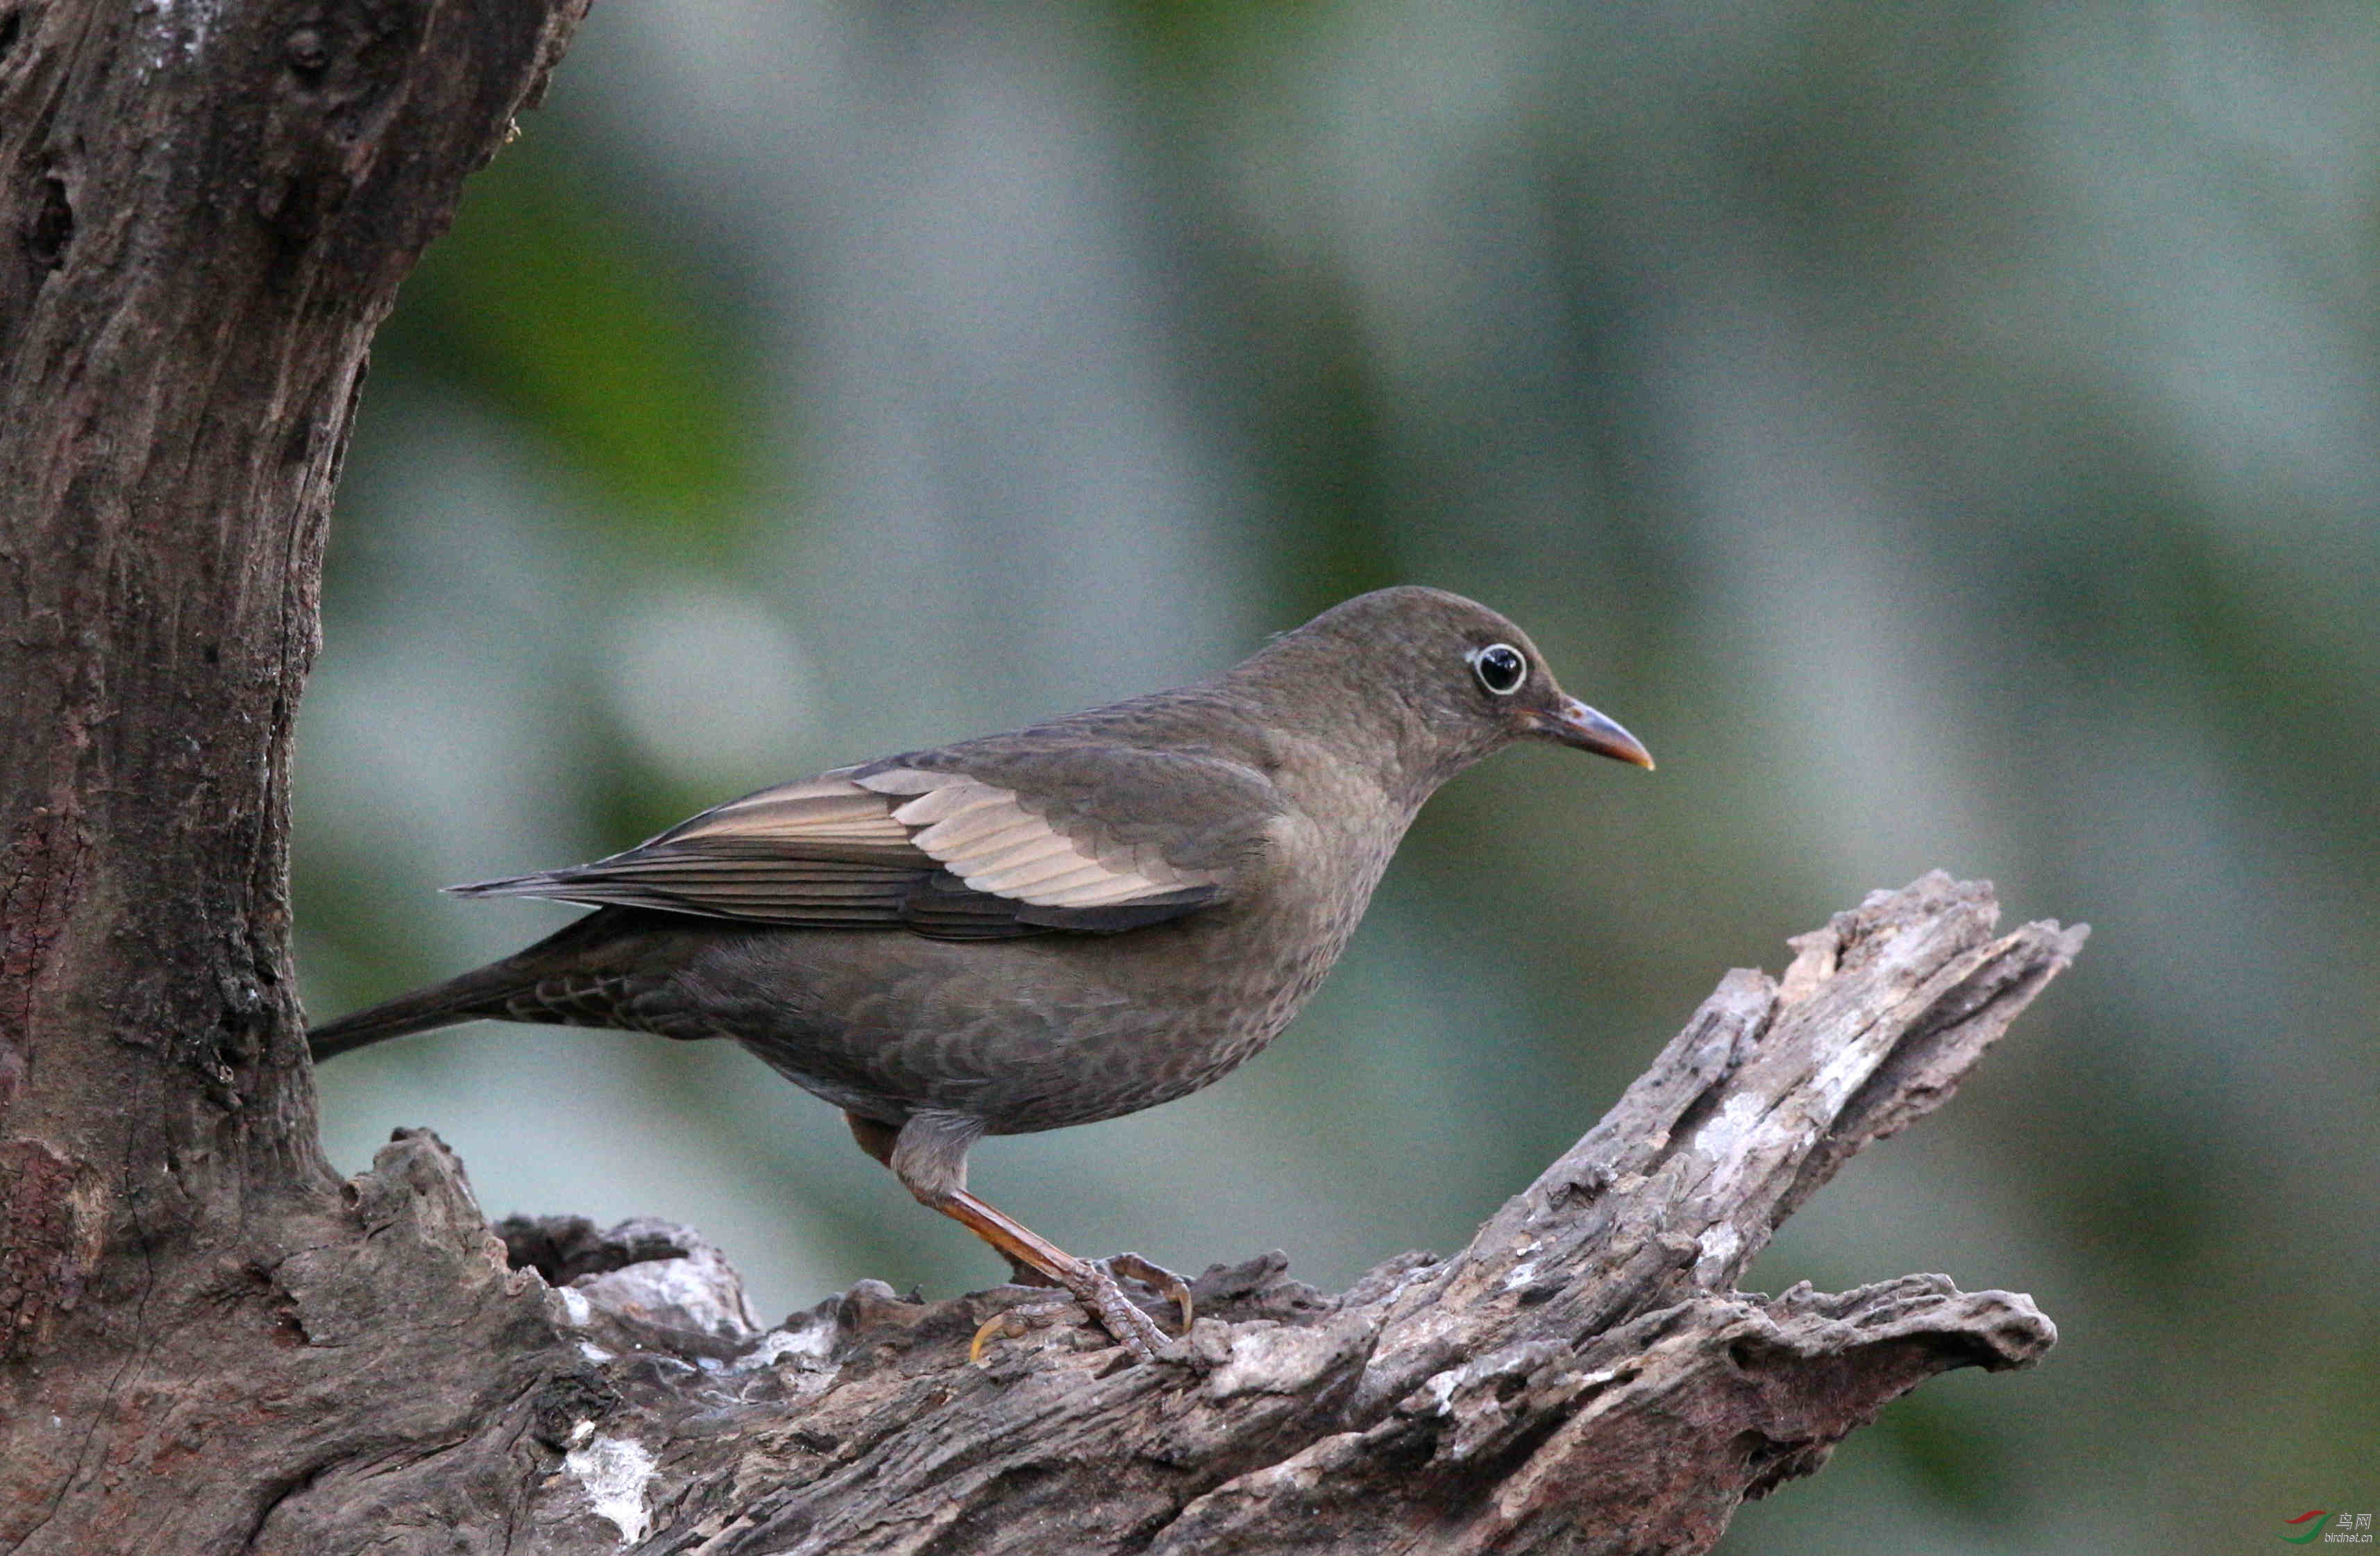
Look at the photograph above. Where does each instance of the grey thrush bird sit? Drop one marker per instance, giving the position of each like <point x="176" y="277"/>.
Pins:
<point x="1047" y="928"/>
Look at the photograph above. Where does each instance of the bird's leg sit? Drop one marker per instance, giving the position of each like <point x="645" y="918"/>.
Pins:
<point x="878" y="1139"/>
<point x="929" y="1155"/>
<point x="1089" y="1285"/>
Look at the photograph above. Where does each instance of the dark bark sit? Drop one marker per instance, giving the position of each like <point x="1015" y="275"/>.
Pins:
<point x="205" y="209"/>
<point x="209" y="1344"/>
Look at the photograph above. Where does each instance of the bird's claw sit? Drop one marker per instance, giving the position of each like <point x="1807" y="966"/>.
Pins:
<point x="1011" y="1323"/>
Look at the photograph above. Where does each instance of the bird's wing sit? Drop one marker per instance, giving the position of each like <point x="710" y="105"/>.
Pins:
<point x="939" y="850"/>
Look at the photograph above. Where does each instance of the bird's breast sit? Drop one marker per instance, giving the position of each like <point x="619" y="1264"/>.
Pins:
<point x="1171" y="1009"/>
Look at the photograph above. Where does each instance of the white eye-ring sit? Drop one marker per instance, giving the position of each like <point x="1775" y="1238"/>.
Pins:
<point x="1501" y="668"/>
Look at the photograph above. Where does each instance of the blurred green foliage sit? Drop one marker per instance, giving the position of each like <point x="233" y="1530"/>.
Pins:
<point x="570" y="319"/>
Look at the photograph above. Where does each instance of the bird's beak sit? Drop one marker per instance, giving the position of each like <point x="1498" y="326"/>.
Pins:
<point x="1575" y="723"/>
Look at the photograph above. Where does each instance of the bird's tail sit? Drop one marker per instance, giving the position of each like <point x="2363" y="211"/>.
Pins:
<point x="467" y="998"/>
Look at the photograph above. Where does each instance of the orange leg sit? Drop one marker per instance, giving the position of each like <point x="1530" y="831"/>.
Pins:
<point x="1089" y="1283"/>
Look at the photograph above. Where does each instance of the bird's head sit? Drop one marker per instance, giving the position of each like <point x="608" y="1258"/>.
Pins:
<point x="1453" y="680"/>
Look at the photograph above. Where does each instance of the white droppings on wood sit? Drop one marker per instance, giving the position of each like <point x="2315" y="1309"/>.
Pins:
<point x="614" y="1471"/>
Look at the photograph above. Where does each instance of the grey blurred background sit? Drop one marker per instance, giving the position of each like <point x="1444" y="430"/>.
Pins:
<point x="1945" y="433"/>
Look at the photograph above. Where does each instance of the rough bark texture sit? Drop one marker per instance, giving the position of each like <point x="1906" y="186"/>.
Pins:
<point x="205" y="209"/>
<point x="209" y="1344"/>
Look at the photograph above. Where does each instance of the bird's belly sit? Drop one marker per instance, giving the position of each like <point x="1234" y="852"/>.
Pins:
<point x="1025" y="1035"/>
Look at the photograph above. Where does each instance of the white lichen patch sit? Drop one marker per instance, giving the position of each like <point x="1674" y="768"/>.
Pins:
<point x="201" y="14"/>
<point x="1841" y="1075"/>
<point x="1720" y="1245"/>
<point x="808" y="1345"/>
<point x="699" y="1292"/>
<point x="614" y="1471"/>
<point x="182" y="27"/>
<point x="1724" y="1135"/>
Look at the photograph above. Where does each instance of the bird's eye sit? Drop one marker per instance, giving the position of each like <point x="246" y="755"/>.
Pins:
<point x="1499" y="668"/>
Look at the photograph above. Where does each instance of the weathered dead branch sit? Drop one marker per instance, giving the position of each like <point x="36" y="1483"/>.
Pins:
<point x="1583" y="1376"/>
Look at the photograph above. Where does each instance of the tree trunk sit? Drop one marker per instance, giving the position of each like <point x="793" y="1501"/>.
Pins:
<point x="207" y="1344"/>
<point x="205" y="209"/>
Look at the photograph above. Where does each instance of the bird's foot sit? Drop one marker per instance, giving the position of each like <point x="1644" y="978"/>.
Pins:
<point x="1157" y="1278"/>
<point x="1015" y="1324"/>
<point x="1094" y="1286"/>
<point x="1096" y="1289"/>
